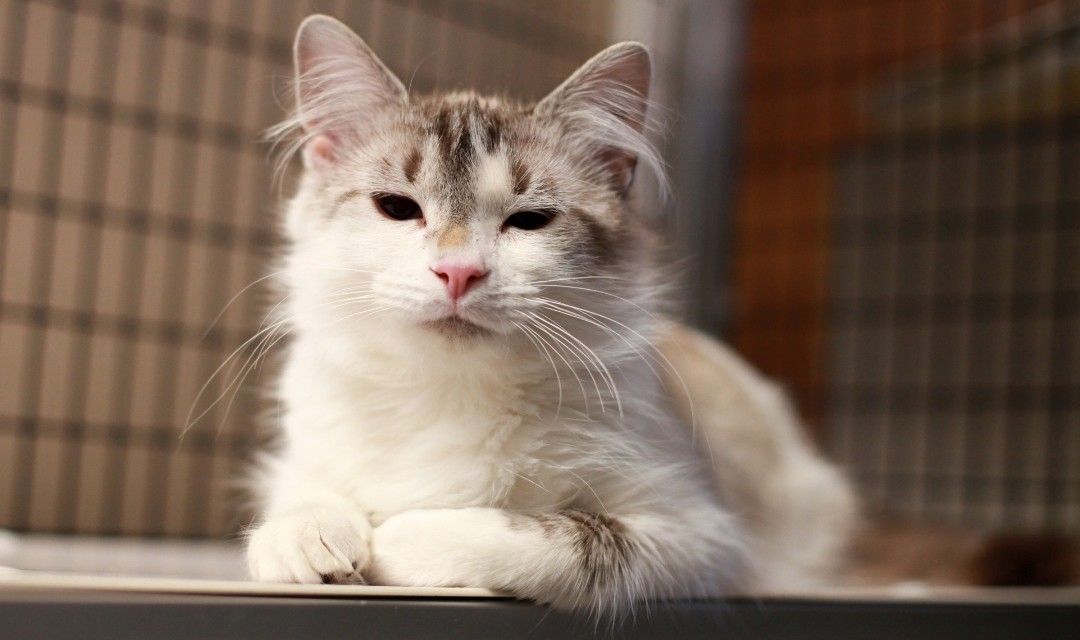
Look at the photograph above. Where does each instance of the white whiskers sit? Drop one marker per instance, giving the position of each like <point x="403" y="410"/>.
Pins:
<point x="260" y="345"/>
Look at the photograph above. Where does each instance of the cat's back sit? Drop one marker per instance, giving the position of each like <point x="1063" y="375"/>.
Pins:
<point x="798" y="509"/>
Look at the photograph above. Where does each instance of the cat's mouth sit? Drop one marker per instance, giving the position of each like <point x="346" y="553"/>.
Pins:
<point x="457" y="327"/>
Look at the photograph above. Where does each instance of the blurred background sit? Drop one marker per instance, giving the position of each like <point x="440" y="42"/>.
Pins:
<point x="874" y="200"/>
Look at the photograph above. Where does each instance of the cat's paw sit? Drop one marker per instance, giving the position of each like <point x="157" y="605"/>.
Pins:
<point x="435" y="548"/>
<point x="310" y="545"/>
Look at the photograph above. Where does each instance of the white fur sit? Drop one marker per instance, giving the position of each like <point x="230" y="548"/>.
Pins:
<point x="493" y="178"/>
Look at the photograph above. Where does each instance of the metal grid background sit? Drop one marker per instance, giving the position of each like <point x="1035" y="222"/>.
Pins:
<point x="908" y="235"/>
<point x="136" y="201"/>
<point x="955" y="320"/>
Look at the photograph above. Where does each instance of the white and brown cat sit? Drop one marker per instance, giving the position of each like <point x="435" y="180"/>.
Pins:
<point x="480" y="390"/>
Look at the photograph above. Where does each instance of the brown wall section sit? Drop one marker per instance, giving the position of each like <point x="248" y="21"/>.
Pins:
<point x="809" y="64"/>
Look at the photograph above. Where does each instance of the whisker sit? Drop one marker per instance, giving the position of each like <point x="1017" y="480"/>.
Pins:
<point x="233" y="299"/>
<point x="189" y="422"/>
<point x="544" y="344"/>
<point x="654" y="352"/>
<point x="558" y="379"/>
<point x="577" y="313"/>
<point x="637" y="306"/>
<point x="587" y="486"/>
<point x="273" y="310"/>
<point x="253" y="362"/>
<point x="344" y="302"/>
<point x="534" y="483"/>
<point x="572" y="341"/>
<point x="580" y="357"/>
<point x="362" y="314"/>
<point x="602" y="367"/>
<point x="577" y="278"/>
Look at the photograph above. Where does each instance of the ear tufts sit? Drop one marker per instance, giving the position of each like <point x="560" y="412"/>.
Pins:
<point x="605" y="106"/>
<point x="340" y="83"/>
<point x="333" y="65"/>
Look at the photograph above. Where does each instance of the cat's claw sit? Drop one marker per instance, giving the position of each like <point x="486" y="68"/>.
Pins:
<point x="310" y="546"/>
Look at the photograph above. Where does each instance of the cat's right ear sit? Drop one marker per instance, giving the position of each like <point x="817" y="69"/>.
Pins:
<point x="340" y="82"/>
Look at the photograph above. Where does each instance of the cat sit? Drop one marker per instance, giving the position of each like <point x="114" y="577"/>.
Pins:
<point x="481" y="389"/>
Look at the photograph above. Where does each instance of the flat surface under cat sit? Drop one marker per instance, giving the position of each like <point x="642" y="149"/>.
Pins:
<point x="480" y="388"/>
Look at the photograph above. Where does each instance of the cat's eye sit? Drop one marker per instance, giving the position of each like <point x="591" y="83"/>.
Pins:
<point x="529" y="220"/>
<point x="398" y="207"/>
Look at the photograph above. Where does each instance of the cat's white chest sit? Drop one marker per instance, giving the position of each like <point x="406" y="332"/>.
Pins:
<point x="438" y="465"/>
<point x="395" y="448"/>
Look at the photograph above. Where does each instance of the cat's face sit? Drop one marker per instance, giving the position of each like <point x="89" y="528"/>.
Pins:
<point x="468" y="217"/>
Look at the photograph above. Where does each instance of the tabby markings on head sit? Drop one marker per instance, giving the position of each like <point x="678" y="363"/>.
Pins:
<point x="521" y="177"/>
<point x="412" y="165"/>
<point x="451" y="127"/>
<point x="492" y="188"/>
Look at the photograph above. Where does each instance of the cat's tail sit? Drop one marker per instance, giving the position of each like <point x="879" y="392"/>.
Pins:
<point x="1026" y="559"/>
<point x="887" y="552"/>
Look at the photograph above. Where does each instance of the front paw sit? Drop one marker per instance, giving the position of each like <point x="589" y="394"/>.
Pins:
<point x="310" y="545"/>
<point x="435" y="548"/>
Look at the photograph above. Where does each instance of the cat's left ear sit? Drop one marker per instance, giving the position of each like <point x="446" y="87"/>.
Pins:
<point x="604" y="104"/>
<point x="340" y="84"/>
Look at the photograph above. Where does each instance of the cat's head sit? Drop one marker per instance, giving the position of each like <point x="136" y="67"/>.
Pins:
<point x="465" y="216"/>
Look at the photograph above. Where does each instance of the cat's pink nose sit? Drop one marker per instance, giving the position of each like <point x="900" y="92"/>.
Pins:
<point x="459" y="277"/>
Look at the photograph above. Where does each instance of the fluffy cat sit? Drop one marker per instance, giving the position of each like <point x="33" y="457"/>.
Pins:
<point x="479" y="390"/>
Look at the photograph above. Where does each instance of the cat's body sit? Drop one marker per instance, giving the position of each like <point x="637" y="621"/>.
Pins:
<point x="480" y="391"/>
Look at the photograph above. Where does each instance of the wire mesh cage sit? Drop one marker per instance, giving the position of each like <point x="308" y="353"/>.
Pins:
<point x="134" y="193"/>
<point x="908" y="238"/>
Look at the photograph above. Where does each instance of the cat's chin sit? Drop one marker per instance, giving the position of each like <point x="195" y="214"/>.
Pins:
<point x="457" y="328"/>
